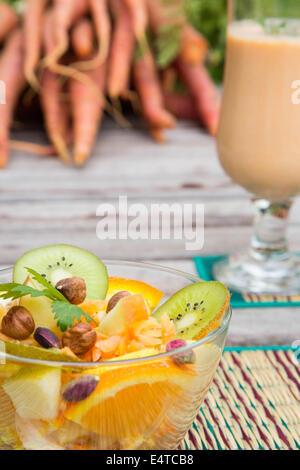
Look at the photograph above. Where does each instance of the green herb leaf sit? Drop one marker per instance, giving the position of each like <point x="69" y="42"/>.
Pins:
<point x="167" y="45"/>
<point x="50" y="291"/>
<point x="65" y="314"/>
<point x="15" y="291"/>
<point x="64" y="311"/>
<point x="142" y="47"/>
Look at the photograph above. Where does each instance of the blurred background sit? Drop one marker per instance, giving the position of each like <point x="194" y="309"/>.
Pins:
<point x="45" y="202"/>
<point x="210" y="17"/>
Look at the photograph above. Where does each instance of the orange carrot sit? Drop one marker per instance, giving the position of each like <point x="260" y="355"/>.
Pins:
<point x="82" y="38"/>
<point x="121" y="51"/>
<point x="55" y="113"/>
<point x="147" y="84"/>
<point x="11" y="73"/>
<point x="87" y="110"/>
<point x="139" y="14"/>
<point x="101" y="19"/>
<point x="30" y="147"/>
<point x="54" y="108"/>
<point x="158" y="134"/>
<point x="193" y="46"/>
<point x="181" y="106"/>
<point x="66" y="13"/>
<point x="203" y="92"/>
<point x="8" y="20"/>
<point x="33" y="38"/>
<point x="168" y="78"/>
<point x="162" y="13"/>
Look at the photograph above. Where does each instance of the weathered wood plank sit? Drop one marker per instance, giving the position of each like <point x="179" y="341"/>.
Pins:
<point x="227" y="240"/>
<point x="24" y="224"/>
<point x="124" y="162"/>
<point x="231" y="211"/>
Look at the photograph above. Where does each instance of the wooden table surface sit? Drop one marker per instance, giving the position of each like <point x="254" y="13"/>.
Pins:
<point x="42" y="202"/>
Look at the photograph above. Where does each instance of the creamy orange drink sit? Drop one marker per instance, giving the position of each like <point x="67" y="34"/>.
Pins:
<point x="259" y="139"/>
<point x="259" y="134"/>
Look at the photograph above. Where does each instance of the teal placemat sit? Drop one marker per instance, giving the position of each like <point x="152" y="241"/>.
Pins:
<point x="253" y="403"/>
<point x="204" y="265"/>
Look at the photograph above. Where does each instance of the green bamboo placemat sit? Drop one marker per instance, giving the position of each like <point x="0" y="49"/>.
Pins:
<point x="204" y="265"/>
<point x="253" y="403"/>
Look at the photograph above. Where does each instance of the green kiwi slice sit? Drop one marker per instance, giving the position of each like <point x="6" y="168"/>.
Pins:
<point x="58" y="262"/>
<point x="196" y="309"/>
<point x="28" y="351"/>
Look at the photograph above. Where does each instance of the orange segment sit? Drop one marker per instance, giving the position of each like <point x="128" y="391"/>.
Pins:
<point x="152" y="295"/>
<point x="118" y="418"/>
<point x="92" y="308"/>
<point x="152" y="387"/>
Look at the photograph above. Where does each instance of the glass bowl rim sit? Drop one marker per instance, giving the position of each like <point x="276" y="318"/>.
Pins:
<point x="112" y="363"/>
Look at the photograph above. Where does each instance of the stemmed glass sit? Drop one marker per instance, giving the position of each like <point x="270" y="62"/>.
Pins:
<point x="259" y="138"/>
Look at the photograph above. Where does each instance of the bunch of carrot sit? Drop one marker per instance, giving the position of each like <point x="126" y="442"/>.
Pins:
<point x="86" y="56"/>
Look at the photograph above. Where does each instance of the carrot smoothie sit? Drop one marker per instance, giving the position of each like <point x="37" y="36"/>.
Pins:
<point x="259" y="137"/>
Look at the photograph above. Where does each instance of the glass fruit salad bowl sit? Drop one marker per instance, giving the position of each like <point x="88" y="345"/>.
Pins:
<point x="105" y="355"/>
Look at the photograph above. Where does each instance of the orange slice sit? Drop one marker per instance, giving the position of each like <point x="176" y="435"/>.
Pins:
<point x="152" y="295"/>
<point x="92" y="308"/>
<point x="131" y="400"/>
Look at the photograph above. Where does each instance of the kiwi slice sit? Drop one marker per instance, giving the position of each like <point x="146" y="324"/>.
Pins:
<point x="58" y="262"/>
<point x="28" y="351"/>
<point x="196" y="309"/>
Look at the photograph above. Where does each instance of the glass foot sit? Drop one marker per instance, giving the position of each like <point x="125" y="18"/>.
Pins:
<point x="247" y="275"/>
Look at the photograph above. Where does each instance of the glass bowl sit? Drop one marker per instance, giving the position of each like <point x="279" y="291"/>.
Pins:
<point x="140" y="403"/>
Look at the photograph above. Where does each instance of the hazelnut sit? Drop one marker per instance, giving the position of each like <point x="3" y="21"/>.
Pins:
<point x="73" y="288"/>
<point x="18" y="323"/>
<point x="116" y="299"/>
<point x="80" y="338"/>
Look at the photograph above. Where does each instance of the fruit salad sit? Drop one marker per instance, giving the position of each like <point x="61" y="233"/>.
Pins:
<point x="89" y="360"/>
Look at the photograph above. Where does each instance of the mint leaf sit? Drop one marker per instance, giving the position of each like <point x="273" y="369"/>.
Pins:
<point x="15" y="291"/>
<point x="64" y="311"/>
<point x="65" y="314"/>
<point x="50" y="291"/>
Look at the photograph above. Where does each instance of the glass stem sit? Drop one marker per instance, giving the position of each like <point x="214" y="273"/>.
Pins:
<point x="269" y="240"/>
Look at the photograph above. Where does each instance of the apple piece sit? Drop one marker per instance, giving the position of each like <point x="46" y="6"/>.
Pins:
<point x="34" y="435"/>
<point x="127" y="311"/>
<point x="35" y="392"/>
<point x="40" y="309"/>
